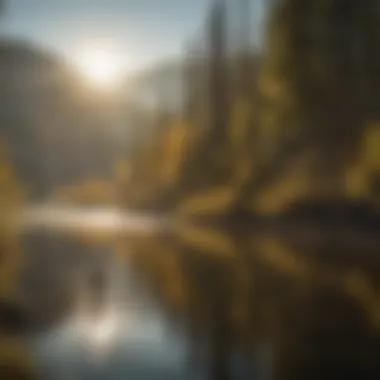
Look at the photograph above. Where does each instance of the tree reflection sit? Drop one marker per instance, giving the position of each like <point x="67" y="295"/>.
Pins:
<point x="317" y="311"/>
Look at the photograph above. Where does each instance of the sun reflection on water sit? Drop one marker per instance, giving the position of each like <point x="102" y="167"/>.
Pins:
<point x="100" y="332"/>
<point x="119" y="330"/>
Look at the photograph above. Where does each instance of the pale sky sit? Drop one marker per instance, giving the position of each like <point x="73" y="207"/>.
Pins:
<point x="144" y="31"/>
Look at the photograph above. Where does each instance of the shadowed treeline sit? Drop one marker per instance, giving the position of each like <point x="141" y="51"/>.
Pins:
<point x="14" y="315"/>
<point x="274" y="160"/>
<point x="314" y="304"/>
<point x="264" y="128"/>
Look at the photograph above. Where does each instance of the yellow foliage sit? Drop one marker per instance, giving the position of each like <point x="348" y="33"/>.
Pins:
<point x="238" y="127"/>
<point x="175" y="288"/>
<point x="211" y="201"/>
<point x="11" y="191"/>
<point x="14" y="362"/>
<point x="269" y="85"/>
<point x="357" y="185"/>
<point x="123" y="171"/>
<point x="174" y="147"/>
<point x="371" y="147"/>
<point x="358" y="175"/>
<point x="358" y="285"/>
<point x="283" y="259"/>
<point x="11" y="195"/>
<point x="290" y="186"/>
<point x="208" y="240"/>
<point x="92" y="191"/>
<point x="239" y="134"/>
<point x="96" y="238"/>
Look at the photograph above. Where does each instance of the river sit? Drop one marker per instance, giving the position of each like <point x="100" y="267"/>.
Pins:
<point x="144" y="303"/>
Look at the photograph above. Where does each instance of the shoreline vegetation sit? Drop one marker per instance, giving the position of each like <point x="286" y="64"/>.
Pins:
<point x="272" y="170"/>
<point x="260" y="136"/>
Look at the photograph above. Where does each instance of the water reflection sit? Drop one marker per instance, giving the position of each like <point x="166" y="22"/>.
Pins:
<point x="266" y="306"/>
<point x="288" y="308"/>
<point x="114" y="331"/>
<point x="141" y="349"/>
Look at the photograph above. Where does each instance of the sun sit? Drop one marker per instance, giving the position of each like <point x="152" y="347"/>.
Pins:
<point x="102" y="67"/>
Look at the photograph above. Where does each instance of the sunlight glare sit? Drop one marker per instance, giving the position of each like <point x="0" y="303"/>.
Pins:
<point x="102" y="67"/>
<point x="99" y="332"/>
<point x="103" y="331"/>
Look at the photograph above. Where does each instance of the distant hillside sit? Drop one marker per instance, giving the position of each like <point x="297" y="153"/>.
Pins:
<point x="161" y="86"/>
<point x="58" y="132"/>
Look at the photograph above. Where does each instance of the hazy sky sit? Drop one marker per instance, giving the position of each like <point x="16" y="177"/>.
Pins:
<point x="145" y="30"/>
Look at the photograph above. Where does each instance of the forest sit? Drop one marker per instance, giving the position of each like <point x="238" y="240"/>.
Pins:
<point x="271" y="171"/>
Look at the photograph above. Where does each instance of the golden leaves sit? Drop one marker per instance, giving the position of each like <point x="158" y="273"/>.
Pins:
<point x="291" y="185"/>
<point x="14" y="362"/>
<point x="88" y="192"/>
<point x="365" y="165"/>
<point x="212" y="201"/>
<point x="371" y="147"/>
<point x="174" y="148"/>
<point x="11" y="197"/>
<point x="206" y="239"/>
